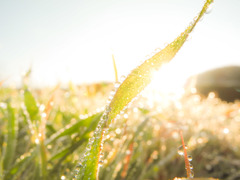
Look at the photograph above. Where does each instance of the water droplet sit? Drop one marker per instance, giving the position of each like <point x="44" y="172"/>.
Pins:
<point x="100" y="163"/>
<point x="79" y="165"/>
<point x="154" y="155"/>
<point x="190" y="166"/>
<point x="195" y="18"/>
<point x="128" y="152"/>
<point x="110" y="97"/>
<point x="118" y="131"/>
<point x="117" y="84"/>
<point x="41" y="107"/>
<point x="107" y="110"/>
<point x="225" y="130"/>
<point x="107" y="137"/>
<point x="191" y="174"/>
<point x="122" y="78"/>
<point x="125" y="107"/>
<point x="22" y="157"/>
<point x="189" y="158"/>
<point x="118" y="116"/>
<point x="181" y="150"/>
<point x="147" y="57"/>
<point x="37" y="141"/>
<point x="112" y="93"/>
<point x="92" y="140"/>
<point x="135" y="110"/>
<point x="3" y="105"/>
<point x="63" y="177"/>
<point x="211" y="95"/>
<point x="209" y="9"/>
<point x="149" y="142"/>
<point x="157" y="50"/>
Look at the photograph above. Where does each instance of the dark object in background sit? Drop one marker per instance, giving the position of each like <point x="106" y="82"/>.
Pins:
<point x="225" y="82"/>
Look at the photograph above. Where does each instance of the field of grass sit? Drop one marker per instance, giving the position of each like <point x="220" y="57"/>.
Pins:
<point x="141" y="144"/>
<point x="120" y="131"/>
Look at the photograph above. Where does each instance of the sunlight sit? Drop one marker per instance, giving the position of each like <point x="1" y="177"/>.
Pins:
<point x="169" y="80"/>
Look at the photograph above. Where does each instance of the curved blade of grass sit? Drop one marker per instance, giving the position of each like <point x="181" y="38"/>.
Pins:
<point x="84" y="136"/>
<point x="135" y="82"/>
<point x="11" y="137"/>
<point x="90" y="122"/>
<point x="115" y="68"/>
<point x="31" y="105"/>
<point x="21" y="165"/>
<point x="64" y="153"/>
<point x="141" y="76"/>
<point x="43" y="160"/>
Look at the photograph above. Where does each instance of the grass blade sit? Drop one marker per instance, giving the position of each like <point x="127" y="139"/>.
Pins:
<point x="141" y="76"/>
<point x="20" y="166"/>
<point x="135" y="82"/>
<point x="31" y="105"/>
<point x="11" y="137"/>
<point x="43" y="160"/>
<point x="115" y="68"/>
<point x="90" y="122"/>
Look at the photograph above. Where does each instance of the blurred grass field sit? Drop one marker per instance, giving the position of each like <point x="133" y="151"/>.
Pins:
<point x="141" y="144"/>
<point x="112" y="132"/>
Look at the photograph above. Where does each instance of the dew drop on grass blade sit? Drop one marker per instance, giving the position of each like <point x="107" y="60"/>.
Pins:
<point x="136" y="81"/>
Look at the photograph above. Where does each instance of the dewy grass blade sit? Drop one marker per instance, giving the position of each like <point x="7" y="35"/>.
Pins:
<point x="135" y="82"/>
<point x="31" y="105"/>
<point x="141" y="76"/>
<point x="90" y="122"/>
<point x="21" y="164"/>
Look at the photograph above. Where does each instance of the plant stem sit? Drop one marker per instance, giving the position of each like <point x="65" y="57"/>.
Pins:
<point x="187" y="164"/>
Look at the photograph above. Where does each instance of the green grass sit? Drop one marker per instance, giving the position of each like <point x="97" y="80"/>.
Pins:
<point x="73" y="133"/>
<point x="141" y="144"/>
<point x="134" y="83"/>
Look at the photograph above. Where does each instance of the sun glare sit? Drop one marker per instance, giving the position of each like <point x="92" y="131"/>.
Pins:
<point x="169" y="80"/>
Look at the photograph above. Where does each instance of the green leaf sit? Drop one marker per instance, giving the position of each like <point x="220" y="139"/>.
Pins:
<point x="90" y="122"/>
<point x="135" y="82"/>
<point x="141" y="76"/>
<point x="12" y="129"/>
<point x="20" y="165"/>
<point x="43" y="158"/>
<point x="63" y="153"/>
<point x="31" y="105"/>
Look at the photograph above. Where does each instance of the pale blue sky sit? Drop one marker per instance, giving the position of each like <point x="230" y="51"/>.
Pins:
<point x="73" y="40"/>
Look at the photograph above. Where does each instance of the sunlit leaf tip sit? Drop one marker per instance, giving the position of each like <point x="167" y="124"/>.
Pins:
<point x="141" y="76"/>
